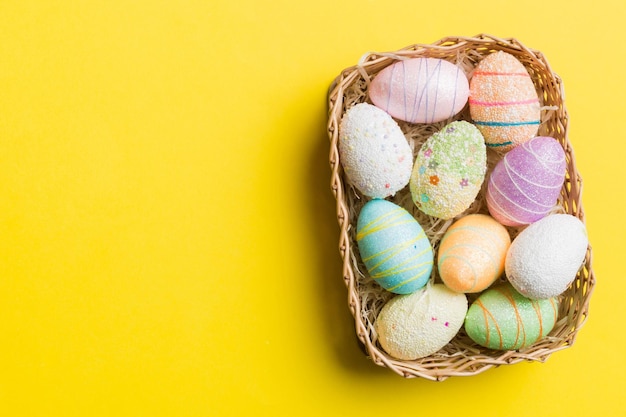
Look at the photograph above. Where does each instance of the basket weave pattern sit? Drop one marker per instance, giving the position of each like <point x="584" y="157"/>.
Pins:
<point x="461" y="357"/>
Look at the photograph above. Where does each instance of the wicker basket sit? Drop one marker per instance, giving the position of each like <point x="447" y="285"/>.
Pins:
<point x="461" y="357"/>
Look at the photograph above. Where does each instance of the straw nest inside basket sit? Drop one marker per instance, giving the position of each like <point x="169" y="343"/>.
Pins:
<point x="365" y="298"/>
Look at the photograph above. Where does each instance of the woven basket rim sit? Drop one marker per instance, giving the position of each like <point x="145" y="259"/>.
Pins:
<point x="579" y="294"/>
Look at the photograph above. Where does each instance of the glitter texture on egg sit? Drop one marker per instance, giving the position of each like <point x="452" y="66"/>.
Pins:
<point x="375" y="155"/>
<point x="449" y="170"/>
<point x="526" y="183"/>
<point x="472" y="252"/>
<point x="545" y="257"/>
<point x="420" y="90"/>
<point x="503" y="101"/>
<point x="503" y="319"/>
<point x="417" y="325"/>
<point x="393" y="247"/>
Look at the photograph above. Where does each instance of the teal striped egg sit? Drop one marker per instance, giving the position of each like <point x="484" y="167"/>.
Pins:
<point x="393" y="247"/>
<point x="501" y="318"/>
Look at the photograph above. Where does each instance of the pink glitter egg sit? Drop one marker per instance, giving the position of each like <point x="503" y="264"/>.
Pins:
<point x="525" y="184"/>
<point x="420" y="90"/>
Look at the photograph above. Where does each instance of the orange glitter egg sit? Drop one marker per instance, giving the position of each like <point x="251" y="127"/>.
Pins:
<point x="503" y="102"/>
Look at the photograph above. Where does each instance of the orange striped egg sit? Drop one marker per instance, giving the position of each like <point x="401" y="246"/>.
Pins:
<point x="503" y="319"/>
<point x="472" y="253"/>
<point x="503" y="101"/>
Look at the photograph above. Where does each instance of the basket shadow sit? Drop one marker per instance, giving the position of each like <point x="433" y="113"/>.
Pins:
<point x="332" y="296"/>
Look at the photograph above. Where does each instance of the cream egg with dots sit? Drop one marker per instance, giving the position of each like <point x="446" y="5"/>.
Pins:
<point x="375" y="155"/>
<point x="417" y="325"/>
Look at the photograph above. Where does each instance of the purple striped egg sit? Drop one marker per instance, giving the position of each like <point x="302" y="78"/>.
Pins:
<point x="420" y="90"/>
<point x="525" y="184"/>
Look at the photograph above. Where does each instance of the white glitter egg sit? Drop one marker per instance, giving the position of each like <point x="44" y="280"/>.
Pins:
<point x="420" y="90"/>
<point x="449" y="170"/>
<point x="416" y="325"/>
<point x="544" y="258"/>
<point x="375" y="155"/>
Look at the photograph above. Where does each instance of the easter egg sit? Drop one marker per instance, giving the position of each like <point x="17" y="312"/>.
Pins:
<point x="503" y="101"/>
<point x="393" y="247"/>
<point x="544" y="258"/>
<point x="420" y="90"/>
<point x="472" y="252"/>
<point x="526" y="183"/>
<point x="375" y="155"/>
<point x="449" y="170"/>
<point x="503" y="319"/>
<point x="419" y="324"/>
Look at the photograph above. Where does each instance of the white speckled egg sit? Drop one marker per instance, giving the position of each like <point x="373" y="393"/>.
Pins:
<point x="375" y="155"/>
<point x="393" y="247"/>
<point x="420" y="90"/>
<point x="503" y="101"/>
<point x="526" y="183"/>
<point x="449" y="170"/>
<point x="419" y="324"/>
<point x="544" y="258"/>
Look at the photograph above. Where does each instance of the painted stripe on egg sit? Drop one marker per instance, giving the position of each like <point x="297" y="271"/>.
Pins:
<point x="501" y="74"/>
<point x="469" y="264"/>
<point x="506" y="124"/>
<point x="456" y="83"/>
<point x="390" y="253"/>
<point x="487" y="314"/>
<point x="393" y="271"/>
<point x="495" y="145"/>
<point x="384" y="221"/>
<point x="503" y="103"/>
<point x="520" y="324"/>
<point x="537" y="309"/>
<point x="497" y="208"/>
<point x="555" y="308"/>
<point x="396" y="269"/>
<point x="513" y="202"/>
<point x="418" y="275"/>
<point x="425" y="89"/>
<point x="445" y="255"/>
<point x="543" y="162"/>
<point x="481" y="231"/>
<point x="508" y="171"/>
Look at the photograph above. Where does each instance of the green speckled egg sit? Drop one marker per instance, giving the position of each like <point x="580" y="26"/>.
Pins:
<point x="503" y="319"/>
<point x="449" y="170"/>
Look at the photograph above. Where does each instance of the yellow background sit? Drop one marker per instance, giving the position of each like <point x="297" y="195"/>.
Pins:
<point x="168" y="240"/>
